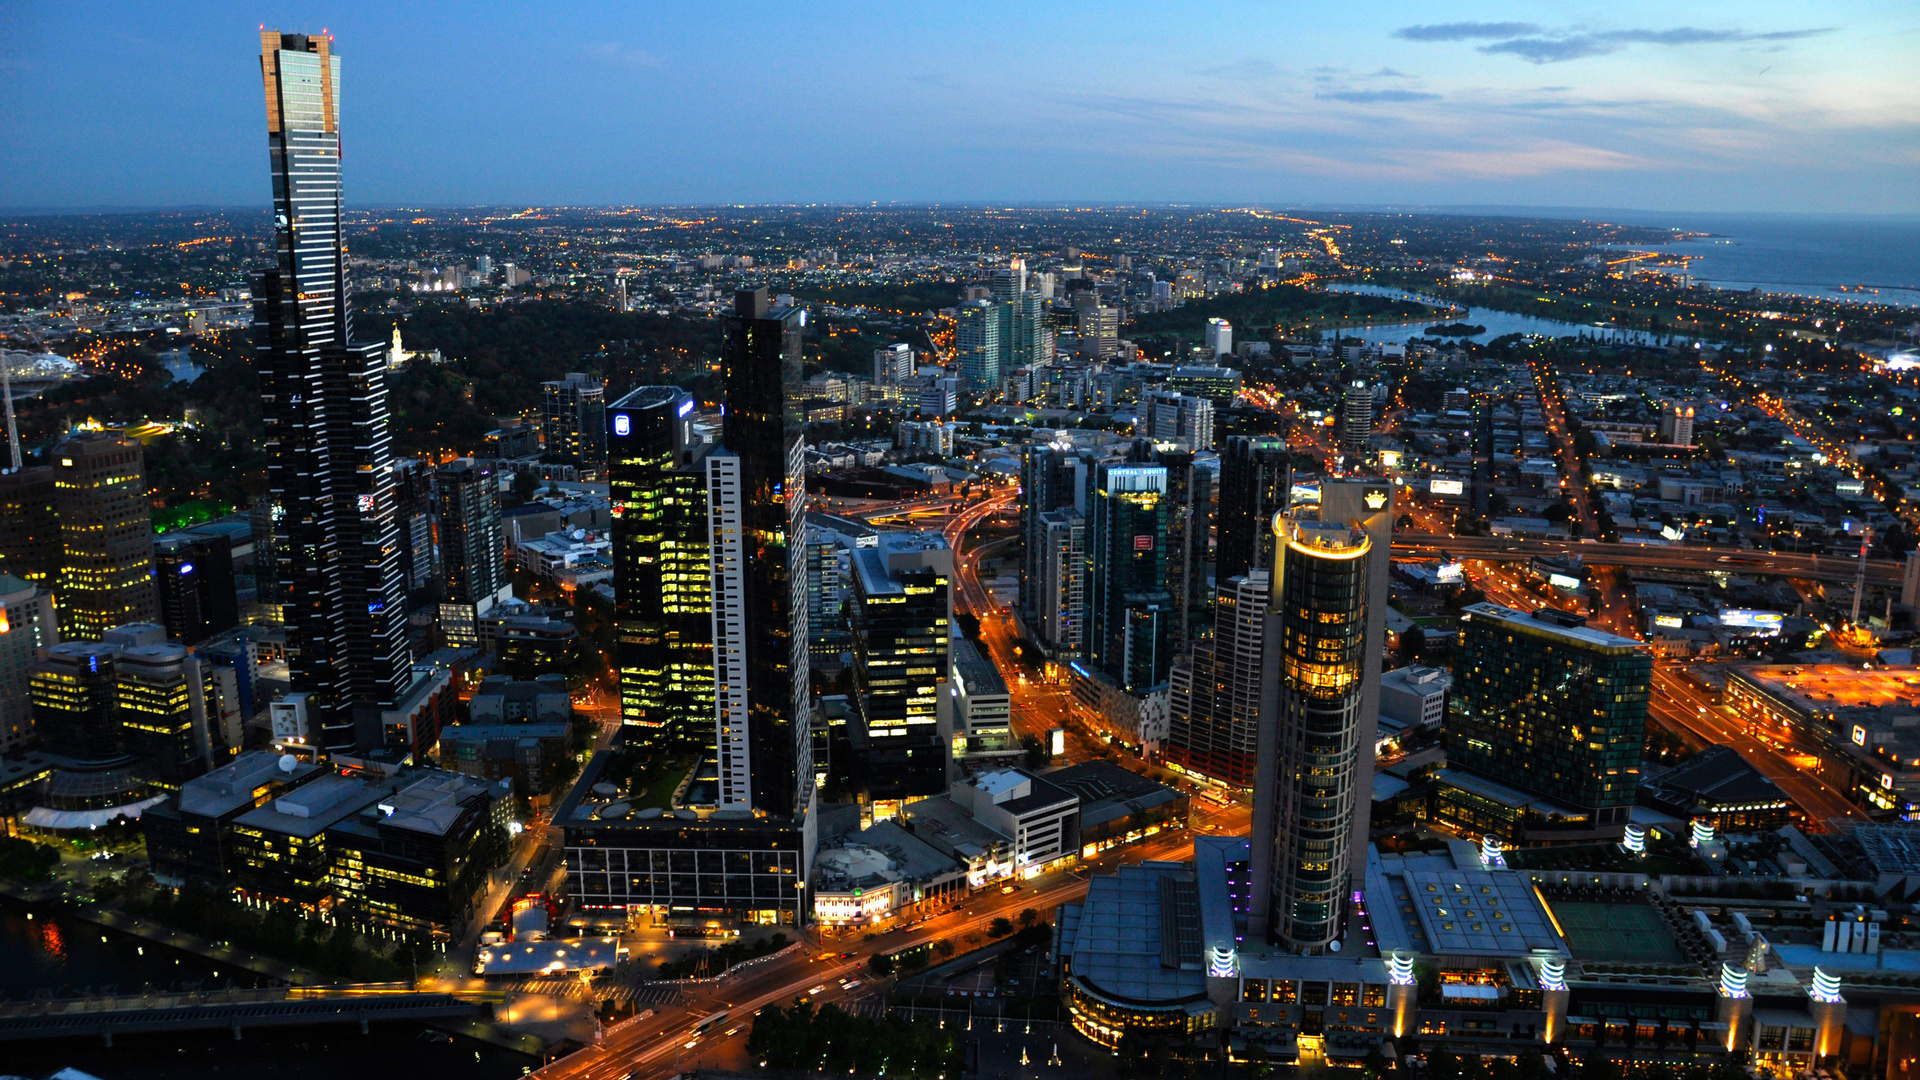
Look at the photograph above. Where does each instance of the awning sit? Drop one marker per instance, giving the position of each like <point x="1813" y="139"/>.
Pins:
<point x="42" y="817"/>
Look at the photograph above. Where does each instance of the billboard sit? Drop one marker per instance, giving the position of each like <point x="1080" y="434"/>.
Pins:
<point x="1445" y="485"/>
<point x="1763" y="621"/>
<point x="1562" y="581"/>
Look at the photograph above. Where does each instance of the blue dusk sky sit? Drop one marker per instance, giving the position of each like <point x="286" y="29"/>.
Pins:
<point x="1761" y="105"/>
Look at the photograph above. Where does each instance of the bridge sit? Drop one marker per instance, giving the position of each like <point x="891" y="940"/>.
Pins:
<point x="1831" y="569"/>
<point x="234" y="1009"/>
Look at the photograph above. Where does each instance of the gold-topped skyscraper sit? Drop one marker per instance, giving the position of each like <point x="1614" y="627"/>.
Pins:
<point x="324" y="396"/>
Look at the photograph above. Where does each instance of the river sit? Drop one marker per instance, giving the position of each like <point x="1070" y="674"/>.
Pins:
<point x="50" y="952"/>
<point x="1498" y="323"/>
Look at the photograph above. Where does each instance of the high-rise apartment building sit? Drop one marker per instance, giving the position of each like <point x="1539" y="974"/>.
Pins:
<point x="1356" y="417"/>
<point x="1190" y="504"/>
<point x="1545" y="704"/>
<point x="893" y="364"/>
<point x="472" y="547"/>
<point x="1056" y="575"/>
<point x="1676" y="423"/>
<point x="1053" y="477"/>
<point x="413" y="480"/>
<point x="573" y="418"/>
<point x="662" y="569"/>
<point x="332" y="512"/>
<point x="1185" y="419"/>
<point x="1255" y="476"/>
<point x="762" y="597"/>
<point x="1130" y="613"/>
<point x="1099" y="329"/>
<point x="26" y="626"/>
<point x="980" y="336"/>
<point x="1214" y="705"/>
<point x="1319" y="710"/>
<point x="106" y="535"/>
<point x="29" y="528"/>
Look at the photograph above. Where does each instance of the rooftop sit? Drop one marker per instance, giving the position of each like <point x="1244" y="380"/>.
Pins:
<point x="1524" y="622"/>
<point x="1818" y="688"/>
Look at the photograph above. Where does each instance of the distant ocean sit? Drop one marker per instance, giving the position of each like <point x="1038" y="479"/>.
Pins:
<point x="1807" y="255"/>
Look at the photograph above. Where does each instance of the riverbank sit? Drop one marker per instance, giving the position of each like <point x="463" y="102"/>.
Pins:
<point x="113" y="918"/>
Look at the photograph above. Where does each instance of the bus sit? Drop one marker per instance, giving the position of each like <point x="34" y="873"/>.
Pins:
<point x="710" y="1023"/>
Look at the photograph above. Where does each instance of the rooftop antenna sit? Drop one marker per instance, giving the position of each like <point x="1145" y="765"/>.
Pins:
<point x="13" y="429"/>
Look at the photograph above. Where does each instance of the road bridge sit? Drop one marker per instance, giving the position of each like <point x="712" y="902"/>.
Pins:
<point x="235" y="1009"/>
<point x="1831" y="569"/>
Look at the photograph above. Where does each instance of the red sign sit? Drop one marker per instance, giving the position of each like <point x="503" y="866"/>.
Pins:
<point x="1143" y="543"/>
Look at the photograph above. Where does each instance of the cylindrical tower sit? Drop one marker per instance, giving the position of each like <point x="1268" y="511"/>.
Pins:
<point x="1320" y="612"/>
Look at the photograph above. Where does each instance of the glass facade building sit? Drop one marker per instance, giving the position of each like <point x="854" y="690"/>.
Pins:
<point x="330" y="468"/>
<point x="1130" y="613"/>
<point x="1550" y="706"/>
<point x="1311" y="767"/>
<point x="763" y="431"/>
<point x="662" y="571"/>
<point x="1255" y="475"/>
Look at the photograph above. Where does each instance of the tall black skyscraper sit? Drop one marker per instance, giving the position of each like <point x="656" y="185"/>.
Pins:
<point x="662" y="567"/>
<point x="330" y="461"/>
<point x="1255" y="475"/>
<point x="761" y="635"/>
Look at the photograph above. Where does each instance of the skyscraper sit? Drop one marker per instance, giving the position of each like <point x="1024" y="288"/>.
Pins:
<point x="1255" y="476"/>
<point x="194" y="576"/>
<point x="324" y="397"/>
<point x="1053" y="478"/>
<point x="980" y="344"/>
<point x="26" y="626"/>
<point x="29" y="528"/>
<point x="1319" y="706"/>
<point x="1214" y="706"/>
<point x="1219" y="338"/>
<point x="760" y="597"/>
<point x="1130" y="613"/>
<point x="106" y="536"/>
<point x="902" y="613"/>
<point x="662" y="570"/>
<point x="472" y="550"/>
<point x="573" y="418"/>
<point x="1183" y="418"/>
<point x="1546" y="704"/>
<point x="1356" y="417"/>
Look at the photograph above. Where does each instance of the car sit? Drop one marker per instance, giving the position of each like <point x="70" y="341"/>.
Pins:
<point x="821" y="989"/>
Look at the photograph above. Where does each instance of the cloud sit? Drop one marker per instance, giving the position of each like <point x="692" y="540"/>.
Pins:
<point x="618" y="55"/>
<point x="1541" y="49"/>
<point x="1367" y="96"/>
<point x="1465" y="31"/>
<point x="1243" y="69"/>
<point x="1389" y="73"/>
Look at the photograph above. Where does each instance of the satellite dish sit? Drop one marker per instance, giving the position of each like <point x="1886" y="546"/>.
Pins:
<point x="1333" y="946"/>
<point x="288" y="763"/>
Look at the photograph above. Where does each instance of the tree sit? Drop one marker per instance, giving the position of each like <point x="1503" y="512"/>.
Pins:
<point x="1028" y="917"/>
<point x="524" y="485"/>
<point x="944" y="947"/>
<point x="1000" y="927"/>
<point x="1037" y="756"/>
<point x="880" y="964"/>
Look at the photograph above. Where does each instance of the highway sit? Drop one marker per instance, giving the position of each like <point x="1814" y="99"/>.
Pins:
<point x="1830" y="569"/>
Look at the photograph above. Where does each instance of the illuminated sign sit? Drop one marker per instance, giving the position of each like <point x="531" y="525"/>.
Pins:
<point x="1390" y="459"/>
<point x="622" y="424"/>
<point x="185" y="569"/>
<point x="686" y="407"/>
<point x="1442" y="486"/>
<point x="1859" y="735"/>
<point x="1562" y="581"/>
<point x="1376" y="498"/>
<point x="1766" y="622"/>
<point x="1450" y="572"/>
<point x="1143" y="543"/>
<point x="1057" y="741"/>
<point x="1671" y="622"/>
<point x="366" y="504"/>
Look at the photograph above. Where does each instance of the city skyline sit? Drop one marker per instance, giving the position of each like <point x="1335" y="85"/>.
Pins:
<point x="1780" y="107"/>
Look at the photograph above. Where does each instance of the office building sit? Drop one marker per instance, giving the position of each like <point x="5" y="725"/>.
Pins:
<point x="662" y="572"/>
<point x="1415" y="697"/>
<point x="1190" y="507"/>
<point x="30" y="543"/>
<point x="1130" y="614"/>
<point x="160" y="698"/>
<point x="829" y="571"/>
<point x="1218" y="338"/>
<point x="901" y="613"/>
<point x="1545" y="704"/>
<point x="1255" y="475"/>
<point x="106" y="535"/>
<point x="72" y="690"/>
<point x="755" y="505"/>
<point x="332" y="509"/>
<point x="1356" y="417"/>
<point x="893" y="364"/>
<point x="418" y="859"/>
<point x="940" y="397"/>
<point x="472" y="548"/>
<point x="187" y="836"/>
<point x="1099" y="330"/>
<point x="26" y="626"/>
<point x="1676" y="423"/>
<point x="976" y="710"/>
<point x="1214" y="700"/>
<point x="980" y="334"/>
<point x="1178" y="418"/>
<point x="195" y="580"/>
<point x="573" y="418"/>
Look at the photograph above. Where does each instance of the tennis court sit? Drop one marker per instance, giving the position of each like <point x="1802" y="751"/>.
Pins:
<point x="1634" y="933"/>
